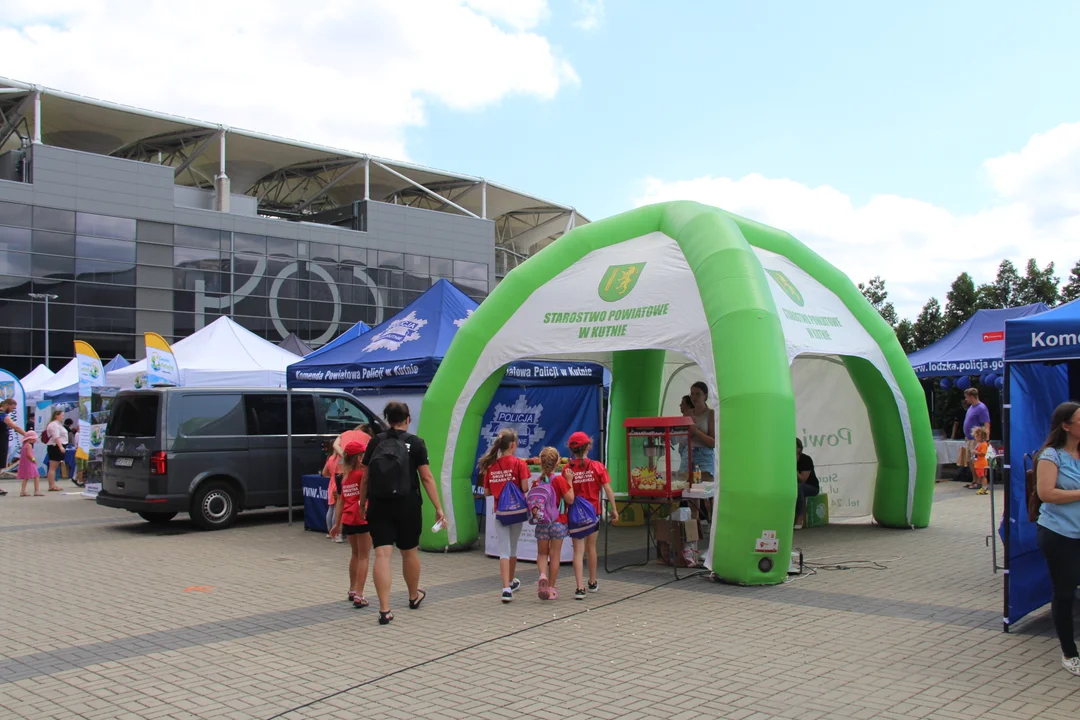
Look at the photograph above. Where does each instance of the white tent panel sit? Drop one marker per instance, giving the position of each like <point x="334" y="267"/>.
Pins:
<point x="222" y="354"/>
<point x="37" y="377"/>
<point x="833" y="423"/>
<point x="68" y="375"/>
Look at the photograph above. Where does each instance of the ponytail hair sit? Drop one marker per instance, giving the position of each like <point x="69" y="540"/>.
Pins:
<point x="506" y="440"/>
<point x="549" y="460"/>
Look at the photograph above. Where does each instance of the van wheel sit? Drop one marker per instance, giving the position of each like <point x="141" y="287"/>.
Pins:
<point x="157" y="518"/>
<point x="214" y="506"/>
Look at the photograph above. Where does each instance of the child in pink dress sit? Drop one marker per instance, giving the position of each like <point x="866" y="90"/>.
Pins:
<point x="28" y="469"/>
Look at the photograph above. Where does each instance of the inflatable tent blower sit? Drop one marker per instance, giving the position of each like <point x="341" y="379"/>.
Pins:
<point x="752" y="308"/>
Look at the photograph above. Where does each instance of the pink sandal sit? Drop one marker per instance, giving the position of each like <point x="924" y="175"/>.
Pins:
<point x="544" y="591"/>
<point x="553" y="594"/>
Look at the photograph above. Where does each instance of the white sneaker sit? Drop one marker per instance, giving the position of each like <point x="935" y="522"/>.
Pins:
<point x="1071" y="664"/>
<point x="339" y="539"/>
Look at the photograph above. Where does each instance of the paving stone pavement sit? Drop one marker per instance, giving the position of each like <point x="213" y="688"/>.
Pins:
<point x="101" y="618"/>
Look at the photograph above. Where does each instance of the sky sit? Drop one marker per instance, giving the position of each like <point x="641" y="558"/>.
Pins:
<point x="911" y="140"/>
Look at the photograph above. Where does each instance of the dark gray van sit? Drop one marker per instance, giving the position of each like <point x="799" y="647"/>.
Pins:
<point x="213" y="452"/>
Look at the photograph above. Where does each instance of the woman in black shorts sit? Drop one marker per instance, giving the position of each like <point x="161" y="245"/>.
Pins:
<point x="349" y="520"/>
<point x="56" y="445"/>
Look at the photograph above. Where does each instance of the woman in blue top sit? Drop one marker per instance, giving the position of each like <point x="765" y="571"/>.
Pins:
<point x="1057" y="471"/>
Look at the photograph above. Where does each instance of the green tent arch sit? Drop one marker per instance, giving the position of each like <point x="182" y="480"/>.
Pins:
<point x="723" y="315"/>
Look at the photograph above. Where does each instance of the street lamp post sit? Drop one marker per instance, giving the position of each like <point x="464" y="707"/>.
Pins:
<point x="46" y="297"/>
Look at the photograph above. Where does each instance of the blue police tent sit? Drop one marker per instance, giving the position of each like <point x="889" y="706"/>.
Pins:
<point x="543" y="401"/>
<point x="975" y="348"/>
<point x="351" y="334"/>
<point x="1042" y="370"/>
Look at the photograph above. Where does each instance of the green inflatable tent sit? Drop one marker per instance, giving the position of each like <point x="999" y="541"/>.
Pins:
<point x="671" y="293"/>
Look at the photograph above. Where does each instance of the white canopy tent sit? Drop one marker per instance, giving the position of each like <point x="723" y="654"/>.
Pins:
<point x="221" y="354"/>
<point x="68" y="375"/>
<point x="36" y="378"/>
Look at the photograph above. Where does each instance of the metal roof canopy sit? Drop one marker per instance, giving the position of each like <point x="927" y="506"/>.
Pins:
<point x="287" y="176"/>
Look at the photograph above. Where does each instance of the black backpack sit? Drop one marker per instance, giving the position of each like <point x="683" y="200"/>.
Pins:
<point x="389" y="469"/>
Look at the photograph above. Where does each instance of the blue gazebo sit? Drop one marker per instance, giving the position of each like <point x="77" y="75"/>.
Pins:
<point x="1042" y="370"/>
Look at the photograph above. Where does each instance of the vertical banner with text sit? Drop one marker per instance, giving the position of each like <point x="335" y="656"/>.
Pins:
<point x="161" y="367"/>
<point x="101" y="403"/>
<point x="91" y="375"/>
<point x="12" y="389"/>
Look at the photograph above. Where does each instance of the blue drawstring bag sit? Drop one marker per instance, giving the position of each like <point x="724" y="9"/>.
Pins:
<point x="511" y="508"/>
<point x="582" y="519"/>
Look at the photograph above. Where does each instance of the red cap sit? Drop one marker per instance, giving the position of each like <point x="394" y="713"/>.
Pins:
<point x="355" y="447"/>
<point x="579" y="439"/>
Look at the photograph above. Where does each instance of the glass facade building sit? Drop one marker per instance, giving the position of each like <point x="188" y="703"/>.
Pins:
<point x="101" y="267"/>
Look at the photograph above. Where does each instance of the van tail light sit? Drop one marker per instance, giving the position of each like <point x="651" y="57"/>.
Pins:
<point x="158" y="464"/>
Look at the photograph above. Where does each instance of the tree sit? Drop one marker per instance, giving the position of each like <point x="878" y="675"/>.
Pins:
<point x="929" y="326"/>
<point x="905" y="333"/>
<point x="1004" y="291"/>
<point x="1071" y="289"/>
<point x="961" y="302"/>
<point x="1037" y="285"/>
<point x="875" y="292"/>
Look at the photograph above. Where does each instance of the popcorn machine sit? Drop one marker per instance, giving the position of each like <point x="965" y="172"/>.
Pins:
<point x="658" y="456"/>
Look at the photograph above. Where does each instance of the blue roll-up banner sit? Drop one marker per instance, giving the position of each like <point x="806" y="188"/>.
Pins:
<point x="542" y="416"/>
<point x="1035" y="390"/>
<point x="315" y="489"/>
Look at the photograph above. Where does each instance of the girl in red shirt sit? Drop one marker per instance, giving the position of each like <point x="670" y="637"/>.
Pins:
<point x="586" y="477"/>
<point x="349" y="521"/>
<point x="549" y="537"/>
<point x="498" y="467"/>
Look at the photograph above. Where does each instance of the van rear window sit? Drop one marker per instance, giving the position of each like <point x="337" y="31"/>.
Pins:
<point x="134" y="416"/>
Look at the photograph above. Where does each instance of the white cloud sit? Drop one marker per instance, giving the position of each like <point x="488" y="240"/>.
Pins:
<point x="916" y="246"/>
<point x="592" y="14"/>
<point x="335" y="73"/>
<point x="519" y="14"/>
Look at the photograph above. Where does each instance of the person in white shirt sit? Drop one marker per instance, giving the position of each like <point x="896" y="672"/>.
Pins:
<point x="56" y="436"/>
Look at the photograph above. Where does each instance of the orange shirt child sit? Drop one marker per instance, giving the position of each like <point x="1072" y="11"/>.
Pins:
<point x="981" y="463"/>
